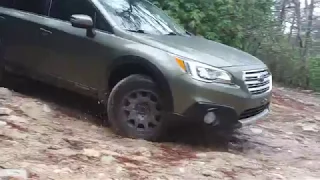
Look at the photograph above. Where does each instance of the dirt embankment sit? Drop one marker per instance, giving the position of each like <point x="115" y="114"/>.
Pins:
<point x="53" y="134"/>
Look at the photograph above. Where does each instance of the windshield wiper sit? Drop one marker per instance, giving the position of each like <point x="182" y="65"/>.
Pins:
<point x="137" y="31"/>
<point x="178" y="34"/>
<point x="189" y="33"/>
<point x="143" y="32"/>
<point x="172" y="34"/>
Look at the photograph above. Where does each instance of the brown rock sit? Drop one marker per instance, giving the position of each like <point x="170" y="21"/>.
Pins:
<point x="5" y="111"/>
<point x="91" y="153"/>
<point x="13" y="133"/>
<point x="13" y="174"/>
<point x="2" y="124"/>
<point x="5" y="93"/>
<point x="107" y="160"/>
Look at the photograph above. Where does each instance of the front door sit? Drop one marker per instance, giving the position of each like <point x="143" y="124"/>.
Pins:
<point x="75" y="58"/>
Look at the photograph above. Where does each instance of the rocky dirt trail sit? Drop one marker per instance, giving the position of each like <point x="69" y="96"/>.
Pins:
<point x="53" y="134"/>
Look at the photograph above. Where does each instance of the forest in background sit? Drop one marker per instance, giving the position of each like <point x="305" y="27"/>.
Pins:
<point x="285" y="34"/>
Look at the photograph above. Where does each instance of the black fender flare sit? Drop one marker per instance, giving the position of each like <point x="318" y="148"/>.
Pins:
<point x="152" y="69"/>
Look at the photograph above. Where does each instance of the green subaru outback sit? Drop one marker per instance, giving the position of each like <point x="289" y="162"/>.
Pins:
<point x="131" y="56"/>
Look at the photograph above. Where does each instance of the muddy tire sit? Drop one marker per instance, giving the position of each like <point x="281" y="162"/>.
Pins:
<point x="135" y="108"/>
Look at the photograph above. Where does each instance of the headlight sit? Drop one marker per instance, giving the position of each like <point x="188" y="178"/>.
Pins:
<point x="203" y="72"/>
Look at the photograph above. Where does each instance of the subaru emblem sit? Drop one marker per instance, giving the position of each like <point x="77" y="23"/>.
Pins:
<point x="261" y="78"/>
<point x="264" y="101"/>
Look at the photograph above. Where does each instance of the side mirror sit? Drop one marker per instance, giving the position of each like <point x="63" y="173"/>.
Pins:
<point x="83" y="21"/>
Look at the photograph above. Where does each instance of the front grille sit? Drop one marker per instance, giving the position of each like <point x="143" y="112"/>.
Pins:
<point x="258" y="81"/>
<point x="254" y="111"/>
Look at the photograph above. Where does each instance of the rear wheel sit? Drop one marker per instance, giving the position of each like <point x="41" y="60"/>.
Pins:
<point x="135" y="108"/>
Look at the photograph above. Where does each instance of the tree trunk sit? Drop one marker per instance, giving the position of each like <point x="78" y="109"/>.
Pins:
<point x="292" y="27"/>
<point x="283" y="12"/>
<point x="308" y="41"/>
<point x="299" y="40"/>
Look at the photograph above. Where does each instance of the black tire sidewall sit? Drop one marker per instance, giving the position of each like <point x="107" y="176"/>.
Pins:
<point x="128" y="84"/>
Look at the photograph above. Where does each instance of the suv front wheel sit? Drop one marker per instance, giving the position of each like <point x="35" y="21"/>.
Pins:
<point x="135" y="108"/>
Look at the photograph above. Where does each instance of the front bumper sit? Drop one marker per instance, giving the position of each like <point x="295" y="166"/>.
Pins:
<point x="252" y="120"/>
<point x="232" y="104"/>
<point x="226" y="117"/>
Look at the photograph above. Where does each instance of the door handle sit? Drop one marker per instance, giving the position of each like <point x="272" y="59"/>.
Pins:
<point x="45" y="32"/>
<point x="2" y="18"/>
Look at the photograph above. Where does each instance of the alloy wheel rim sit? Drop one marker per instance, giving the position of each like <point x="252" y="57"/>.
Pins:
<point x="142" y="110"/>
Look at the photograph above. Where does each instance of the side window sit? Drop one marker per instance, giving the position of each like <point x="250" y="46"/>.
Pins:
<point x="64" y="9"/>
<point x="33" y="6"/>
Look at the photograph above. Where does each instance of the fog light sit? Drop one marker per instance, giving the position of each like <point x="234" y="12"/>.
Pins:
<point x="210" y="118"/>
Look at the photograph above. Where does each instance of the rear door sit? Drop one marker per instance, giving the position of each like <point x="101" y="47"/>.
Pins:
<point x="21" y="34"/>
<point x="75" y="58"/>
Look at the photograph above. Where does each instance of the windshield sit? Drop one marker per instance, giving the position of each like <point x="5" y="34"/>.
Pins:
<point x="141" y="16"/>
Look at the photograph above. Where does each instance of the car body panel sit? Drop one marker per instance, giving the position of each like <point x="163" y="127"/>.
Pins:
<point x="22" y="41"/>
<point x="199" y="49"/>
<point x="76" y="58"/>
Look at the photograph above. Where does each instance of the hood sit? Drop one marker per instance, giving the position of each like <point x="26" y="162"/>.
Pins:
<point x="200" y="49"/>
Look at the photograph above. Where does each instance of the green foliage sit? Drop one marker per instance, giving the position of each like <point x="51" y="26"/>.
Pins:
<point x="249" y="25"/>
<point x="284" y="63"/>
<point x="315" y="73"/>
<point x="235" y="23"/>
